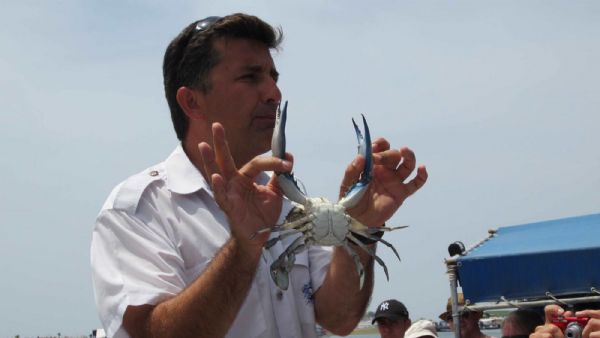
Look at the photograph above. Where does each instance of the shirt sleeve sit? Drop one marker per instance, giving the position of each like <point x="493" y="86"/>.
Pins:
<point x="132" y="264"/>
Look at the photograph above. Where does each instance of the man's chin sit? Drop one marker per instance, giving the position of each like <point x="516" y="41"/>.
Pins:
<point x="264" y="123"/>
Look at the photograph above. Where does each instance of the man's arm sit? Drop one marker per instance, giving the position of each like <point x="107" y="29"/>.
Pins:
<point x="339" y="302"/>
<point x="208" y="307"/>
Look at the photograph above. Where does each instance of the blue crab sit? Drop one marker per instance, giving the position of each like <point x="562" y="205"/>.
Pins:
<point x="319" y="221"/>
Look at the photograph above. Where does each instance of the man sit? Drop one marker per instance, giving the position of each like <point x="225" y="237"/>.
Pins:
<point x="469" y="320"/>
<point x="172" y="251"/>
<point x="392" y="319"/>
<point x="549" y="330"/>
<point x="520" y="323"/>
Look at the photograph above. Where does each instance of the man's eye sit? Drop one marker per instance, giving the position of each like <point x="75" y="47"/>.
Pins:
<point x="249" y="77"/>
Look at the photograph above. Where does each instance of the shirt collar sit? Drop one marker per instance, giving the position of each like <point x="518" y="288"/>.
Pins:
<point x="182" y="176"/>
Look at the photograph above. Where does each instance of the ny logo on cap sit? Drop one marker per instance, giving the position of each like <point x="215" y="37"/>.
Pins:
<point x="384" y="306"/>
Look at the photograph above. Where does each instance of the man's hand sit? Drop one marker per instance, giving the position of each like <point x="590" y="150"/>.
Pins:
<point x="248" y="206"/>
<point x="388" y="189"/>
<point x="592" y="328"/>
<point x="549" y="330"/>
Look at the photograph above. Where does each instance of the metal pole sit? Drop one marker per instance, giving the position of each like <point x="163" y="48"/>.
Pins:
<point x="451" y="266"/>
<point x="505" y="305"/>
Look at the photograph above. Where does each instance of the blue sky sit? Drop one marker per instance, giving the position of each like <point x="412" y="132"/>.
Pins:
<point x="498" y="98"/>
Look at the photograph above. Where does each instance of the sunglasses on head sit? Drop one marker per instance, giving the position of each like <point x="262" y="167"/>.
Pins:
<point x="205" y="23"/>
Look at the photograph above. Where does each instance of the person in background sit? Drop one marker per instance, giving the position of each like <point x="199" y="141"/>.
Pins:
<point x="549" y="330"/>
<point x="421" y="329"/>
<point x="521" y="323"/>
<point x="392" y="319"/>
<point x="469" y="320"/>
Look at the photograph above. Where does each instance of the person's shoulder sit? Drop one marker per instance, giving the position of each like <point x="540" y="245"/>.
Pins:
<point x="127" y="194"/>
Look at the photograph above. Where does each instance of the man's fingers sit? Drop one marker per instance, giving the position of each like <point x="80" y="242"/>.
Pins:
<point x="380" y="144"/>
<point x="402" y="161"/>
<point x="388" y="158"/>
<point x="220" y="193"/>
<point x="208" y="160"/>
<point x="552" y="311"/>
<point x="352" y="174"/>
<point x="419" y="180"/>
<point x="264" y="163"/>
<point x="406" y="167"/>
<point x="546" y="331"/>
<point x="592" y="328"/>
<point x="588" y="313"/>
<point x="222" y="152"/>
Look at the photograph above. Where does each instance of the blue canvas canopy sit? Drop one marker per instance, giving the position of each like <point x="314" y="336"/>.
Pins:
<point x="526" y="262"/>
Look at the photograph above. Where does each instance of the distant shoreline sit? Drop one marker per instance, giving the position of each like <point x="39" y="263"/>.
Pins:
<point x="365" y="330"/>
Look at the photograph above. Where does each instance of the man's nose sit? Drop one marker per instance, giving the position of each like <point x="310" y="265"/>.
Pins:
<point x="271" y="92"/>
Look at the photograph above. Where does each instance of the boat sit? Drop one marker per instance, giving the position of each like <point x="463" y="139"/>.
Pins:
<point x="528" y="266"/>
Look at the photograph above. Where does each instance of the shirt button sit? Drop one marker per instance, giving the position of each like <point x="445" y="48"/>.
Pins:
<point x="153" y="173"/>
<point x="279" y="295"/>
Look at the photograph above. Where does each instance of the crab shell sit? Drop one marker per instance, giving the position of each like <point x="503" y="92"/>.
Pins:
<point x="319" y="221"/>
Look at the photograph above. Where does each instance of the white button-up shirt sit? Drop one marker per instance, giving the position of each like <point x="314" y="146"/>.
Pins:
<point x="158" y="231"/>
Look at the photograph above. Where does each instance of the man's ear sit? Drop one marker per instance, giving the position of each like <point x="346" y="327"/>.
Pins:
<point x="192" y="102"/>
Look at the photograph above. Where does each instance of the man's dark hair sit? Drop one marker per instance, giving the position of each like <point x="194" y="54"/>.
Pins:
<point x="191" y="55"/>
<point x="525" y="321"/>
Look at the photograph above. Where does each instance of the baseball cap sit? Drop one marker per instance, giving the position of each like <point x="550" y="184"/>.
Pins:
<point x="421" y="328"/>
<point x="390" y="309"/>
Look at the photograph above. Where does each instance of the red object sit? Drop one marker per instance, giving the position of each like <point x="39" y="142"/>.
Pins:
<point x="562" y="322"/>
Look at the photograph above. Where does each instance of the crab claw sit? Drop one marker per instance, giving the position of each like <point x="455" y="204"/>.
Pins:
<point x="358" y="189"/>
<point x="287" y="181"/>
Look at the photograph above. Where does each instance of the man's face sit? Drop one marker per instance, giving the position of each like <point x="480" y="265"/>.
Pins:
<point x="508" y="329"/>
<point x="243" y="96"/>
<point x="469" y="324"/>
<point x="392" y="328"/>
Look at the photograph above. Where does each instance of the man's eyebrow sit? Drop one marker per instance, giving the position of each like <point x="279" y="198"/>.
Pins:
<point x="253" y="68"/>
<point x="258" y="68"/>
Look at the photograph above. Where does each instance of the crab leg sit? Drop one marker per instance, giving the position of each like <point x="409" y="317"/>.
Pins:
<point x="290" y="226"/>
<point x="287" y="233"/>
<point x="287" y="181"/>
<point x="358" y="189"/>
<point x="370" y="252"/>
<point x="389" y="245"/>
<point x="357" y="263"/>
<point x="283" y="265"/>
<point x="378" y="239"/>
